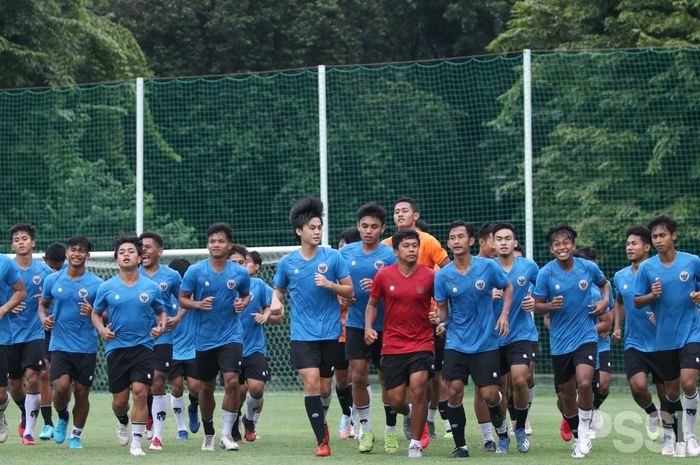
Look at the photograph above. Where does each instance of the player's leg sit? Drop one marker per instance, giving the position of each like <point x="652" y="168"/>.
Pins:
<point x="418" y="387"/>
<point x="31" y="402"/>
<point x="62" y="384"/>
<point x="519" y="376"/>
<point x="690" y="365"/>
<point x="162" y="360"/>
<point x="139" y="416"/>
<point x="208" y="366"/>
<point x="584" y="360"/>
<point x="177" y="401"/>
<point x="45" y="403"/>
<point x="229" y="361"/>
<point x="481" y="411"/>
<point x="455" y="373"/>
<point x="4" y="395"/>
<point x="81" y="409"/>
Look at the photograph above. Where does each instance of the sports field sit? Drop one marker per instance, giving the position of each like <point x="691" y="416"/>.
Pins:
<point x="286" y="438"/>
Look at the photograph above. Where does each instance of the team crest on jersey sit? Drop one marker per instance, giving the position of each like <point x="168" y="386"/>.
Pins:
<point x="230" y="283"/>
<point x="36" y="279"/>
<point x="480" y="284"/>
<point x="163" y="286"/>
<point x="378" y="265"/>
<point x="322" y="268"/>
<point x="143" y="297"/>
<point x="83" y="293"/>
<point x="521" y="281"/>
<point x="583" y="284"/>
<point x="684" y="276"/>
<point x="420" y="290"/>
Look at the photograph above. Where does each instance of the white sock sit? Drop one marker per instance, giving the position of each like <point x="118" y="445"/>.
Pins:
<point x="486" y="431"/>
<point x="252" y="405"/>
<point x="178" y="404"/>
<point x="256" y="417"/>
<point x="75" y="432"/>
<point x="229" y="420"/>
<point x="431" y="414"/>
<point x="369" y="393"/>
<point x="531" y="395"/>
<point x="31" y="406"/>
<point x="138" y="430"/>
<point x="690" y="407"/>
<point x="414" y="443"/>
<point x="160" y="407"/>
<point x="365" y="414"/>
<point x="584" y="422"/>
<point x="4" y="405"/>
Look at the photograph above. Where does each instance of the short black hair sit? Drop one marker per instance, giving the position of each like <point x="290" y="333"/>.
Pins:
<point x="666" y="220"/>
<point x="220" y="228"/>
<point x="485" y="230"/>
<point x="509" y="226"/>
<point x="372" y="209"/>
<point x="403" y="234"/>
<point x="460" y="224"/>
<point x="157" y="238"/>
<point x="559" y="229"/>
<point x="306" y="209"/>
<point x="255" y="256"/>
<point x="409" y="201"/>
<point x="238" y="249"/>
<point x="56" y="252"/>
<point x="589" y="253"/>
<point x="23" y="227"/>
<point x="180" y="265"/>
<point x="127" y="238"/>
<point x="80" y="241"/>
<point x="519" y="248"/>
<point x="640" y="231"/>
<point x="349" y="235"/>
<point x="423" y="225"/>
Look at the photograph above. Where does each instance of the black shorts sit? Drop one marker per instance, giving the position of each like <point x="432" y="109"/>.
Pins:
<point x="604" y="363"/>
<point x="186" y="368"/>
<point x="129" y="365"/>
<point x="254" y="367"/>
<point x="4" y="364"/>
<point x="47" y="341"/>
<point x="162" y="357"/>
<point x="398" y="368"/>
<point x="484" y="367"/>
<point x="357" y="349"/>
<point x="26" y="355"/>
<point x="564" y="365"/>
<point x="515" y="353"/>
<point x="535" y="351"/>
<point x="342" y="361"/>
<point x="79" y="367"/>
<point x="324" y="355"/>
<point x="439" y="342"/>
<point x="637" y="361"/>
<point x="671" y="362"/>
<point x="226" y="358"/>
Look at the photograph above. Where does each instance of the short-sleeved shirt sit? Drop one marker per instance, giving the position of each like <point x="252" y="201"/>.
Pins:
<point x="596" y="296"/>
<point x="130" y="311"/>
<point x="430" y="253"/>
<point x="315" y="312"/>
<point x="471" y="324"/>
<point x="26" y="325"/>
<point x="184" y="336"/>
<point x="9" y="276"/>
<point x="677" y="321"/>
<point x="522" y="277"/>
<point x="72" y="331"/>
<point x="407" y="302"/>
<point x="365" y="265"/>
<point x="571" y="326"/>
<point x="640" y="333"/>
<point x="254" y="333"/>
<point x="169" y="281"/>
<point x="222" y="324"/>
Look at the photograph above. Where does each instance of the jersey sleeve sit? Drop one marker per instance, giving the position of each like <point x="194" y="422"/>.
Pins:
<point x="437" y="253"/>
<point x="642" y="285"/>
<point x="498" y="276"/>
<point x="48" y="285"/>
<point x="341" y="268"/>
<point x="266" y="297"/>
<point x="244" y="284"/>
<point x="189" y="282"/>
<point x="158" y="304"/>
<point x="10" y="275"/>
<point x="439" y="287"/>
<point x="280" y="280"/>
<point x="94" y="286"/>
<point x="176" y="284"/>
<point x="377" y="291"/>
<point x="616" y="288"/>
<point x="100" y="304"/>
<point x="597" y="275"/>
<point x="542" y="284"/>
<point x="532" y="270"/>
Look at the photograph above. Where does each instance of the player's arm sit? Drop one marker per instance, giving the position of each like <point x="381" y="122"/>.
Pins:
<point x="442" y="314"/>
<point x="444" y="263"/>
<point x="618" y="319"/>
<point x="543" y="307"/>
<point x="17" y="297"/>
<point x="371" y="315"/>
<point x="599" y="308"/>
<point x="188" y="302"/>
<point x="276" y="305"/>
<point x="103" y="330"/>
<point x="604" y="324"/>
<point x="502" y="324"/>
<point x="162" y="320"/>
<point x="645" y="294"/>
<point x="44" y="316"/>
<point x="343" y="287"/>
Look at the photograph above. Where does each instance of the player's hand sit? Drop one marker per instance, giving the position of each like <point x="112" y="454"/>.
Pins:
<point x="107" y="334"/>
<point x="322" y="281"/>
<point x="370" y="336"/>
<point x="528" y="304"/>
<point x="276" y="308"/>
<point x="604" y="334"/>
<point x="345" y="301"/>
<point x="502" y="326"/>
<point x="207" y="303"/>
<point x="652" y="317"/>
<point x="241" y="303"/>
<point x="366" y="284"/>
<point x="616" y="335"/>
<point x="85" y="308"/>
<point x="19" y="308"/>
<point x="260" y="318"/>
<point x="172" y="322"/>
<point x="434" y="318"/>
<point x="598" y="308"/>
<point x="496" y="293"/>
<point x="656" y="288"/>
<point x="440" y="330"/>
<point x="557" y="302"/>
<point x="157" y="331"/>
<point x="49" y="323"/>
<point x="695" y="297"/>
<point x="38" y="296"/>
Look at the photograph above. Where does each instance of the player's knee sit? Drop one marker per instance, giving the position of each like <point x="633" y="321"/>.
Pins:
<point x="31" y="378"/>
<point x="61" y="386"/>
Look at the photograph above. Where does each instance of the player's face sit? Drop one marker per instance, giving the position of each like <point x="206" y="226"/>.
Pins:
<point x="312" y="232"/>
<point x="237" y="258"/>
<point x="505" y="242"/>
<point x="518" y="253"/>
<point x="404" y="216"/>
<point x="488" y="246"/>
<point x="22" y="243"/>
<point x="151" y="252"/>
<point x="371" y="229"/>
<point x="662" y="238"/>
<point x="562" y="247"/>
<point x="408" y="251"/>
<point x="128" y="256"/>
<point x="77" y="255"/>
<point x="459" y="241"/>
<point x="251" y="266"/>
<point x="637" y="250"/>
<point x="218" y="245"/>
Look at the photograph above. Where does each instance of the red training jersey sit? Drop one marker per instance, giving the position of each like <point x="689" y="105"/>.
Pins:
<point x="406" y="306"/>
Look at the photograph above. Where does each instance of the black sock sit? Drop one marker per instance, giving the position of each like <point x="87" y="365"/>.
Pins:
<point x="511" y="407"/>
<point x="390" y="415"/>
<point x="497" y="416"/>
<point x="651" y="408"/>
<point x="344" y="398"/>
<point x="673" y="408"/>
<point x="63" y="414"/>
<point x="458" y="422"/>
<point x="123" y="419"/>
<point x="520" y="416"/>
<point x="598" y="399"/>
<point x="20" y="404"/>
<point x="208" y="427"/>
<point x="150" y="407"/>
<point x="442" y="408"/>
<point x="314" y="410"/>
<point x="573" y="424"/>
<point x="46" y="414"/>
<point x="235" y="429"/>
<point x="194" y="401"/>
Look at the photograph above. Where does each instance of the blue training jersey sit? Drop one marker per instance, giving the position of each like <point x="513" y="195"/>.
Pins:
<point x="130" y="311"/>
<point x="169" y="281"/>
<point x="522" y="277"/>
<point x="222" y="324"/>
<point x="26" y="325"/>
<point x="597" y="295"/>
<point x="677" y="320"/>
<point x="254" y="333"/>
<point x="72" y="331"/>
<point x="570" y="325"/>
<point x="9" y="276"/>
<point x="363" y="265"/>
<point x="471" y="323"/>
<point x="184" y="336"/>
<point x="640" y="333"/>
<point x="315" y="312"/>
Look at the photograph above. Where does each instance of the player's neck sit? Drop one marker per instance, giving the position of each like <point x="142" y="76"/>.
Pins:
<point x="566" y="265"/>
<point x="76" y="272"/>
<point x="507" y="261"/>
<point x="370" y="248"/>
<point x="668" y="256"/>
<point x="129" y="275"/>
<point x="635" y="265"/>
<point x="407" y="269"/>
<point x="308" y="251"/>
<point x="24" y="261"/>
<point x="218" y="264"/>
<point x="151" y="269"/>
<point x="463" y="262"/>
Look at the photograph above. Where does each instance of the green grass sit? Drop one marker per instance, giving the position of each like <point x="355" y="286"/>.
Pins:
<point x="287" y="439"/>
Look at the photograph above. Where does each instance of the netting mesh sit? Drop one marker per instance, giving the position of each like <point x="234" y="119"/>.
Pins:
<point x="615" y="139"/>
